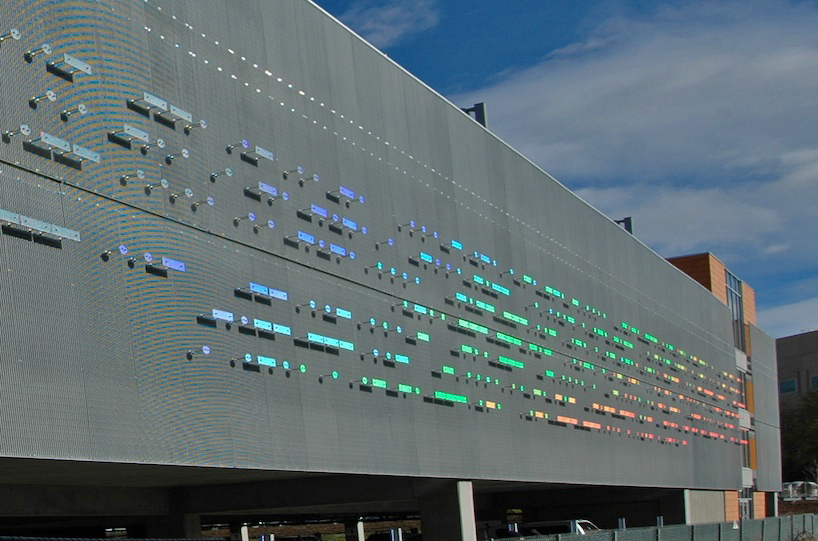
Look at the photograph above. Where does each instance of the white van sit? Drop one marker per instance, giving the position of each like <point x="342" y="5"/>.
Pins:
<point x="550" y="527"/>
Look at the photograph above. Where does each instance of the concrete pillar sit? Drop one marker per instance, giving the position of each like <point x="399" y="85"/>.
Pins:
<point x="447" y="512"/>
<point x="181" y="525"/>
<point x="705" y="506"/>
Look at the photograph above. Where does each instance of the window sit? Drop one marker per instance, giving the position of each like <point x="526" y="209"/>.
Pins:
<point x="736" y="305"/>
<point x="787" y="386"/>
<point x="813" y="382"/>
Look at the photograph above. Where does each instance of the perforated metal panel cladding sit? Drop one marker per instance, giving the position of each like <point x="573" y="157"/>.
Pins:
<point x="785" y="529"/>
<point x="706" y="531"/>
<point x="642" y="534"/>
<point x="676" y="532"/>
<point x="772" y="527"/>
<point x="752" y="530"/>
<point x="728" y="532"/>
<point x="767" y="423"/>
<point x="337" y="271"/>
<point x="592" y="536"/>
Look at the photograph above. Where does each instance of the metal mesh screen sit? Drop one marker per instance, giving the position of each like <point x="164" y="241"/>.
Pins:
<point x="337" y="271"/>
<point x="679" y="532"/>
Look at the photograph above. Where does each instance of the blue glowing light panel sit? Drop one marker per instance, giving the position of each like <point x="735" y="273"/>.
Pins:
<point x="237" y="235"/>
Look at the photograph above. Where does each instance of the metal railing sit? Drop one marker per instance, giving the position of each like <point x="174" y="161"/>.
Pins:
<point x="799" y="490"/>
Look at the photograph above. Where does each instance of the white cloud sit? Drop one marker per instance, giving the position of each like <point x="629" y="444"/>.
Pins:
<point x="675" y="221"/>
<point x="384" y="23"/>
<point x="683" y="93"/>
<point x="697" y="119"/>
<point x="789" y="319"/>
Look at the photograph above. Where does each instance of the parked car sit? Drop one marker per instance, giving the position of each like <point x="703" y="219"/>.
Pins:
<point x="550" y="527"/>
<point x="388" y="536"/>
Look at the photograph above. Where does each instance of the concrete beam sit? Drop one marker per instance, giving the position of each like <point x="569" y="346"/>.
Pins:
<point x="337" y="491"/>
<point x="55" y="501"/>
<point x="176" y="525"/>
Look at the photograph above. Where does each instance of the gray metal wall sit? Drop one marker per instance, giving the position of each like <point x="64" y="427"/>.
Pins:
<point x="797" y="357"/>
<point x="767" y="422"/>
<point x="107" y="352"/>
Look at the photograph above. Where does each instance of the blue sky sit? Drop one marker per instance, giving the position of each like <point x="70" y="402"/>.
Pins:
<point x="697" y="118"/>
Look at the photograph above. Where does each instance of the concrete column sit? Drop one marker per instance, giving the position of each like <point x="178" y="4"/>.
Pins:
<point x="447" y="512"/>
<point x="704" y="506"/>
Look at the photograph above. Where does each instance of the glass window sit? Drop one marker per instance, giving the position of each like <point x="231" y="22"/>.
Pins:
<point x="814" y="382"/>
<point x="787" y="386"/>
<point x="736" y="305"/>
